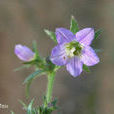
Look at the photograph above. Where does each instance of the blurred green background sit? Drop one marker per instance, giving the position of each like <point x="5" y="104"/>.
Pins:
<point x="22" y="21"/>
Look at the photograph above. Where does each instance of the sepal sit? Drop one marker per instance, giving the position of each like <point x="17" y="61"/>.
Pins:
<point x="97" y="33"/>
<point x="86" y="68"/>
<point x="74" y="25"/>
<point x="51" y="35"/>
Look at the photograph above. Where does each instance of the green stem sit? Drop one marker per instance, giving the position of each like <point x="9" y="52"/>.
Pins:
<point x="51" y="78"/>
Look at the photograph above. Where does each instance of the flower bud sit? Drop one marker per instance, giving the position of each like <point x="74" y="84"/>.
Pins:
<point x="24" y="53"/>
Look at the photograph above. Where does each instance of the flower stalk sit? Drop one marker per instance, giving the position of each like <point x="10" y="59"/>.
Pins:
<point x="51" y="78"/>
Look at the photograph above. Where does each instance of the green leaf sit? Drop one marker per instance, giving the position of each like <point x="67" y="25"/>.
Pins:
<point x="29" y="109"/>
<point x="23" y="104"/>
<point x="97" y="33"/>
<point x="86" y="68"/>
<point x="54" y="102"/>
<point x="29" y="80"/>
<point x="74" y="25"/>
<point x="28" y="84"/>
<point x="33" y="75"/>
<point x="51" y="35"/>
<point x="21" y="67"/>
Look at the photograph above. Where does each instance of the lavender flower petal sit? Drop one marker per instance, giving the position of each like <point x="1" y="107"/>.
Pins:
<point x="24" y="53"/>
<point x="85" y="36"/>
<point x="89" y="56"/>
<point x="64" y="35"/>
<point x="74" y="67"/>
<point x="58" y="55"/>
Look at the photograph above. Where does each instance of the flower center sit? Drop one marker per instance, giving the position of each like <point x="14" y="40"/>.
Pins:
<point x="73" y="49"/>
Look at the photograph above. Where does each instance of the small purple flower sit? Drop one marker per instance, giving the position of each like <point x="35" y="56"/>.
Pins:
<point x="24" y="53"/>
<point x="74" y="50"/>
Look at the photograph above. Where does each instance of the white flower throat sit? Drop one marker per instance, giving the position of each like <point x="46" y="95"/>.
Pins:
<point x="73" y="49"/>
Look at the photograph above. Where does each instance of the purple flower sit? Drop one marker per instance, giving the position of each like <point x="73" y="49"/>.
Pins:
<point x="24" y="53"/>
<point x="74" y="50"/>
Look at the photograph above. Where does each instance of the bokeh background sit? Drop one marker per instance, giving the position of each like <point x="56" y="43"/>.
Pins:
<point x="22" y="21"/>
